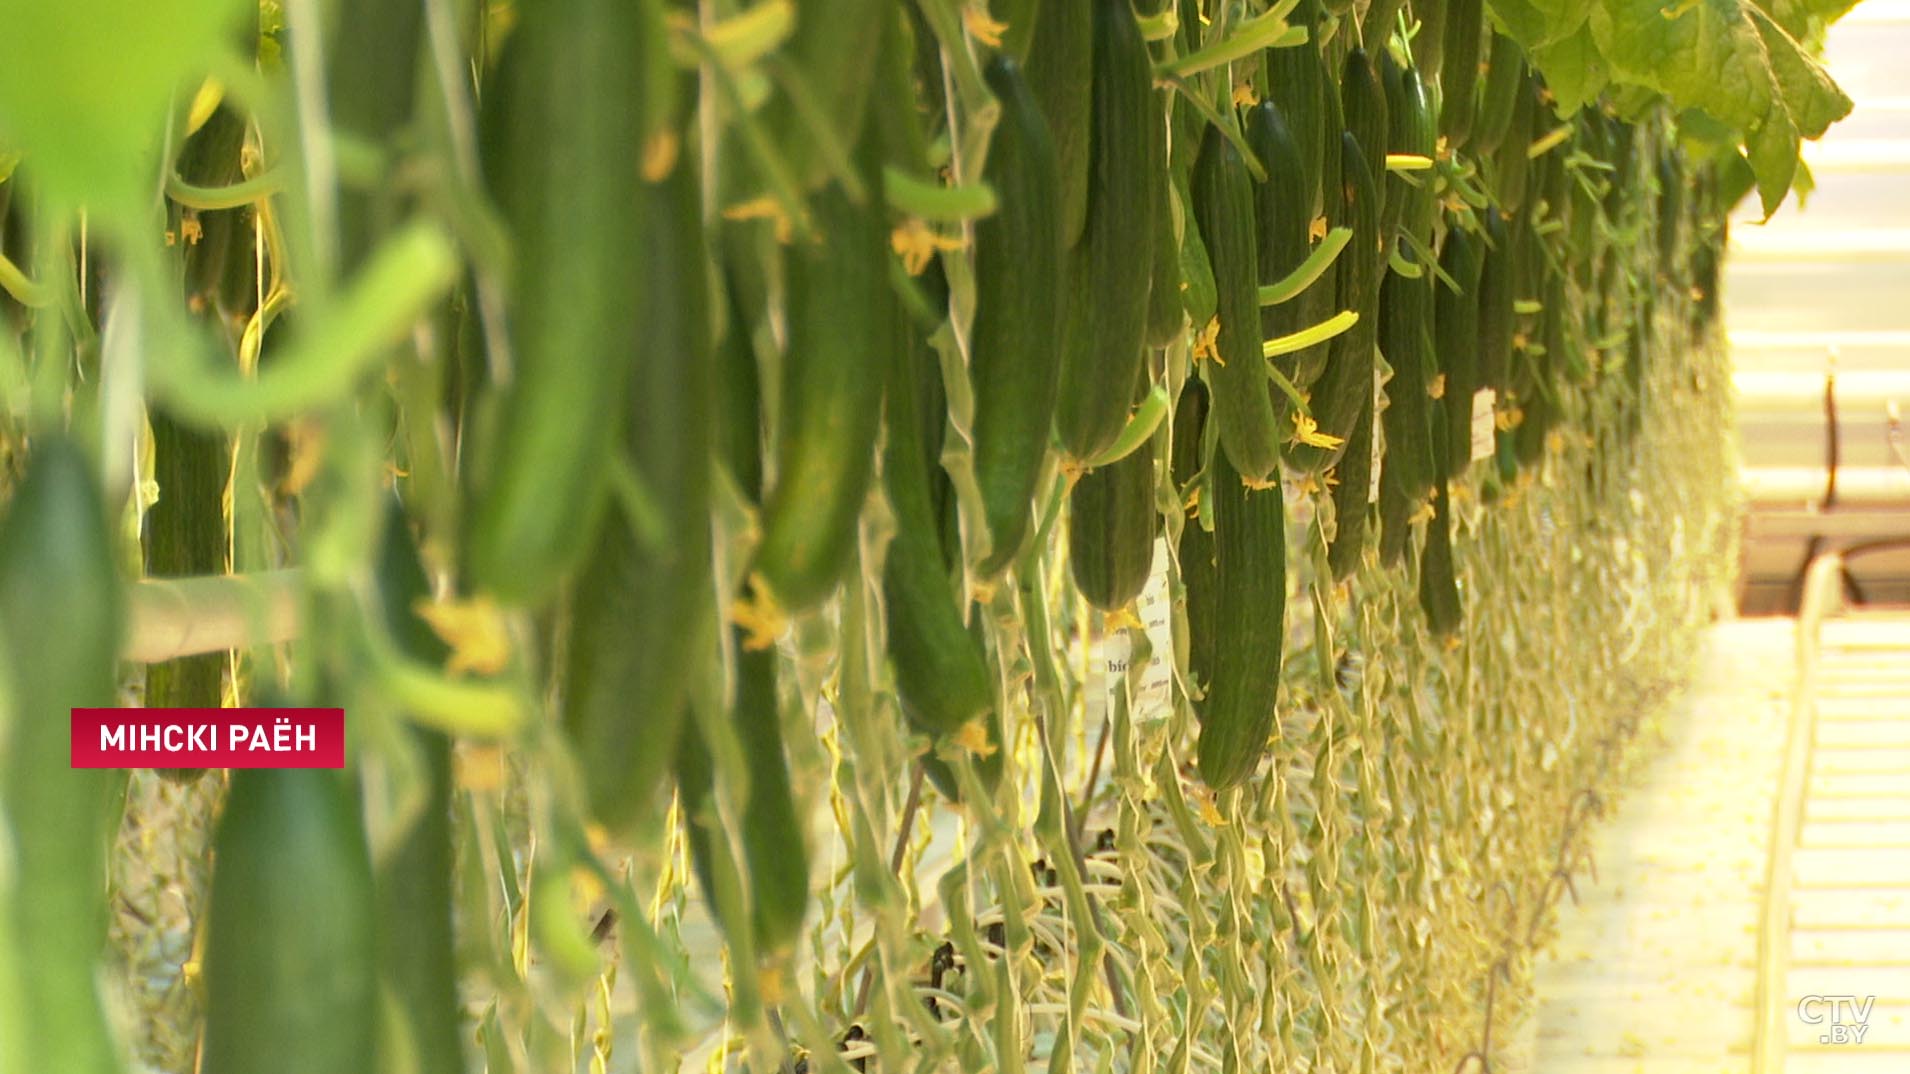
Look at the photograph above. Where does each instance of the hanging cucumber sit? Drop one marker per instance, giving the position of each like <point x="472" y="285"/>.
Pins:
<point x="1166" y="315"/>
<point x="56" y="558"/>
<point x="186" y="535"/>
<point x="1346" y="384"/>
<point x="1110" y="267"/>
<point x="1061" y="77"/>
<point x="1014" y="357"/>
<point x="1248" y="620"/>
<point x="776" y="863"/>
<point x="562" y="153"/>
<point x="1283" y="212"/>
<point x="839" y="304"/>
<point x="1429" y="42"/>
<point x="1413" y="129"/>
<point x="1112" y="523"/>
<point x="1457" y="343"/>
<point x="1497" y="320"/>
<point x="1510" y="164"/>
<point x="1405" y="338"/>
<point x="838" y="88"/>
<point x="289" y="978"/>
<point x="417" y="949"/>
<point x="641" y="609"/>
<point x="1438" y="589"/>
<point x="1236" y="372"/>
<point x="1298" y="87"/>
<point x="1353" y="477"/>
<point x="1194" y="553"/>
<point x="1498" y="95"/>
<point x="1460" y="76"/>
<point x="1363" y="106"/>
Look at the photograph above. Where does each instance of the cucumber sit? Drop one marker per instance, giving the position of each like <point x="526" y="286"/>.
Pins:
<point x="1460" y="75"/>
<point x="940" y="671"/>
<point x="1166" y="316"/>
<point x="1283" y="212"/>
<point x="1248" y="620"/>
<point x="1194" y="551"/>
<point x="1014" y="358"/>
<point x="1298" y="88"/>
<point x="776" y="863"/>
<point x="824" y="37"/>
<point x="1413" y="129"/>
<point x="289" y="976"/>
<point x="1061" y="77"/>
<point x="830" y="409"/>
<point x="642" y="611"/>
<point x="1510" y="166"/>
<point x="1112" y="523"/>
<point x="1457" y="342"/>
<point x="1429" y="42"/>
<point x="185" y="535"/>
<point x="417" y="947"/>
<point x="1497" y="322"/>
<point x="1197" y="272"/>
<point x="1111" y="265"/>
<point x="56" y="559"/>
<point x="561" y="155"/>
<point x="372" y="59"/>
<point x="1353" y="476"/>
<point x="1405" y="337"/>
<point x="1363" y="105"/>
<point x="1498" y="96"/>
<point x="1237" y="374"/>
<point x="1346" y="384"/>
<point x="1438" y="589"/>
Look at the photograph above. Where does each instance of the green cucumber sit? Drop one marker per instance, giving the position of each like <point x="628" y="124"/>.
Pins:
<point x="1438" y="589"/>
<point x="1460" y="76"/>
<point x="1283" y="212"/>
<point x="290" y="983"/>
<point x="839" y="303"/>
<point x="940" y="671"/>
<point x="1363" y="102"/>
<point x="1429" y="41"/>
<point x="56" y="560"/>
<point x="1194" y="552"/>
<point x="818" y="53"/>
<point x="776" y="863"/>
<point x="1111" y="266"/>
<point x="1352" y="491"/>
<point x="185" y="535"/>
<point x="372" y="59"/>
<point x="1112" y="523"/>
<point x="562" y="153"/>
<point x="1237" y="374"/>
<point x="1499" y="95"/>
<point x="1413" y="129"/>
<point x="1497" y="321"/>
<point x="1511" y="166"/>
<point x="1014" y="357"/>
<point x="1345" y="385"/>
<point x="1457" y="343"/>
<point x="1248" y="623"/>
<point x="1166" y="315"/>
<point x="417" y="947"/>
<point x="1406" y="308"/>
<point x="642" y="611"/>
<point x="1061" y="77"/>
<point x="1298" y="88"/>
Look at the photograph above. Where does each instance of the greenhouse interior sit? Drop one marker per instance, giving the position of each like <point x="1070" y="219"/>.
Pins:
<point x="853" y="536"/>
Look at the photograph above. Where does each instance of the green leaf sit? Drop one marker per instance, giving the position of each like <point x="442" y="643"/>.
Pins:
<point x="84" y="88"/>
<point x="1814" y="100"/>
<point x="1574" y="70"/>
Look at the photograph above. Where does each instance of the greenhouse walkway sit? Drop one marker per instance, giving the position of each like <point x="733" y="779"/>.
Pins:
<point x="1751" y="910"/>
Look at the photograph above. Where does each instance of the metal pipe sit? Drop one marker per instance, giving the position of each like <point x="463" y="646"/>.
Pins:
<point x="1798" y="486"/>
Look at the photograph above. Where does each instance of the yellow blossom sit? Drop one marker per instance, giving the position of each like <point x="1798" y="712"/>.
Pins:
<point x="1307" y="431"/>
<point x="973" y="737"/>
<point x="917" y="244"/>
<point x="759" y="615"/>
<point x="1207" y="342"/>
<point x="1437" y="387"/>
<point x="474" y="629"/>
<point x="981" y="26"/>
<point x="1244" y="95"/>
<point x="763" y="208"/>
<point x="1316" y="230"/>
<point x="1121" y="620"/>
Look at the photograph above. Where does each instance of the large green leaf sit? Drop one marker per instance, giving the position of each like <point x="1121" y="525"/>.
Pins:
<point x="1574" y="70"/>
<point x="84" y="87"/>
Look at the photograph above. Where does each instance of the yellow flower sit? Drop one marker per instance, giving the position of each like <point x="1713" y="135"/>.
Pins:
<point x="474" y="629"/>
<point x="1193" y="503"/>
<point x="1207" y="342"/>
<point x="1437" y="387"/>
<point x="917" y="244"/>
<point x="1316" y="230"/>
<point x="981" y="26"/>
<point x="973" y="737"/>
<point x="1244" y="95"/>
<point x="1307" y="431"/>
<point x="1121" y="620"/>
<point x="1209" y="812"/>
<point x="759" y="615"/>
<point x="1423" y="513"/>
<point x="1508" y="419"/>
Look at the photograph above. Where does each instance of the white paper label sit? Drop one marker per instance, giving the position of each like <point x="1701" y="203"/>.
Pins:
<point x="1483" y="428"/>
<point x="1379" y="451"/>
<point x="1111" y="654"/>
